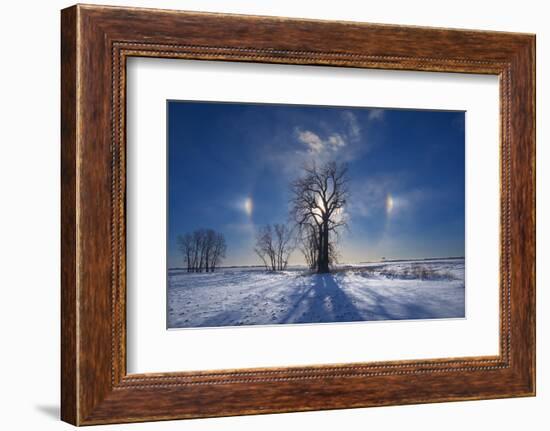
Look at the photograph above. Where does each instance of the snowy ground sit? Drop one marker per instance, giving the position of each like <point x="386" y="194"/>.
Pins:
<point x="375" y="291"/>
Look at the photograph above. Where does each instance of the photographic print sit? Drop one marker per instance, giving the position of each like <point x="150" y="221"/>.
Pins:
<point x="297" y="214"/>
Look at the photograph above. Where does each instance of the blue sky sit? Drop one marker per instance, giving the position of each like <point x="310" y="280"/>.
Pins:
<point x="230" y="165"/>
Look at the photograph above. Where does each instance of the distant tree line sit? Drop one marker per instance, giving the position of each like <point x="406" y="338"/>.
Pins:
<point x="203" y="249"/>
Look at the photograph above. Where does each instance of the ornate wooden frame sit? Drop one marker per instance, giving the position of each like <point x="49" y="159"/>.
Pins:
<point x="95" y="42"/>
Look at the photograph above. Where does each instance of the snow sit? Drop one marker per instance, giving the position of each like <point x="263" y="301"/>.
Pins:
<point x="362" y="292"/>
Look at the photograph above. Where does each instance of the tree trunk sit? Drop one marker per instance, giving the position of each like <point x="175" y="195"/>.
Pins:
<point x="324" y="267"/>
<point x="322" y="252"/>
<point x="327" y="248"/>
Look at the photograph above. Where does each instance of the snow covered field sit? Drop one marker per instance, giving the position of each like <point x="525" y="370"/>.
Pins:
<point x="375" y="291"/>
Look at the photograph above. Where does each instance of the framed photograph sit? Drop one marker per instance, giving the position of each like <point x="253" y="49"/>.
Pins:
<point x="313" y="214"/>
<point x="266" y="215"/>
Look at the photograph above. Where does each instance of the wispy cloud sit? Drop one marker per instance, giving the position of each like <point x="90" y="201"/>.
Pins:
<point x="317" y="145"/>
<point x="354" y="130"/>
<point x="343" y="139"/>
<point x="340" y="142"/>
<point x="336" y="141"/>
<point x="312" y="140"/>
<point x="376" y="114"/>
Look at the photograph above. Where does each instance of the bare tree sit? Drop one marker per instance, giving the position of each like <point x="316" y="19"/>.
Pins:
<point x="219" y="248"/>
<point x="284" y="244"/>
<point x="274" y="244"/>
<point x="209" y="242"/>
<point x="198" y="242"/>
<point x="309" y="245"/>
<point x="203" y="249"/>
<point x="318" y="200"/>
<point x="265" y="247"/>
<point x="185" y="243"/>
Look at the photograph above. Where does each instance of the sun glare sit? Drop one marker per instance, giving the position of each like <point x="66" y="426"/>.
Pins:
<point x="389" y="204"/>
<point x="248" y="206"/>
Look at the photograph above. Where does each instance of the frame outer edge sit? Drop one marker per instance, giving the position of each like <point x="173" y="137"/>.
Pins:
<point x="533" y="53"/>
<point x="69" y="202"/>
<point x="88" y="397"/>
<point x="532" y="101"/>
<point x="523" y="178"/>
<point x="530" y="63"/>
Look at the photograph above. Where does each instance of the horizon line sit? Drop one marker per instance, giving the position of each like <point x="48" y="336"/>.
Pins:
<point x="344" y="263"/>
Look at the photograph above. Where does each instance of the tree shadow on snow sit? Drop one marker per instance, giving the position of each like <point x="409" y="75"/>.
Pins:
<point x="323" y="302"/>
<point x="385" y="307"/>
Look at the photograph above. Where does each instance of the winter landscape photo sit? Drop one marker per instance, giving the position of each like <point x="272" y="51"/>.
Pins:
<point x="292" y="214"/>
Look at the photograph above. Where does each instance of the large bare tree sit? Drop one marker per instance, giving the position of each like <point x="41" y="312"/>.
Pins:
<point x="317" y="207"/>
<point x="309" y="245"/>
